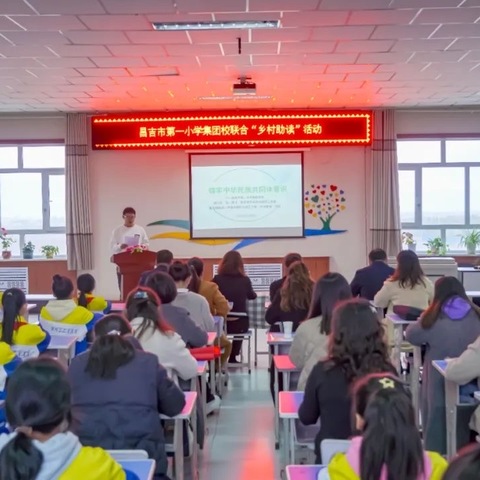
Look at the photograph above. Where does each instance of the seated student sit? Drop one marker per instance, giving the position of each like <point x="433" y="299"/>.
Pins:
<point x="466" y="465"/>
<point x="195" y="304"/>
<point x="164" y="260"/>
<point x="9" y="361"/>
<point x="65" y="310"/>
<point x="447" y="327"/>
<point x="356" y="347"/>
<point x="216" y="301"/>
<point x="311" y="339"/>
<point x="177" y="317"/>
<point x="15" y="329"/>
<point x="156" y="336"/>
<point x="389" y="446"/>
<point x="85" y="287"/>
<point x="276" y="285"/>
<point x="369" y="280"/>
<point x="119" y="391"/>
<point x="41" y="446"/>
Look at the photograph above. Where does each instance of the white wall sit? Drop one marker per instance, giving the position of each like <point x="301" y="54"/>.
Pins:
<point x="434" y="122"/>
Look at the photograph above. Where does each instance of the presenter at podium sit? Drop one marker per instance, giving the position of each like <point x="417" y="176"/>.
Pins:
<point x="127" y="235"/>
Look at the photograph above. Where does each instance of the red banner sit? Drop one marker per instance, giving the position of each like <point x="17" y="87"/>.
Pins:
<point x="231" y="129"/>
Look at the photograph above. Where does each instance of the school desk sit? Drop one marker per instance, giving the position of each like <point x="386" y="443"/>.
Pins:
<point x="143" y="469"/>
<point x="64" y="346"/>
<point x="288" y="406"/>
<point x="303" y="472"/>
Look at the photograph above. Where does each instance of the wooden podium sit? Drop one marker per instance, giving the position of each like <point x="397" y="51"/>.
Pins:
<point x="131" y="266"/>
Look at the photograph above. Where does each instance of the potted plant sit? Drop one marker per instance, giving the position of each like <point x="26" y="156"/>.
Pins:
<point x="471" y="240"/>
<point x="436" y="246"/>
<point x="6" y="243"/>
<point x="28" y="250"/>
<point x="50" y="251"/>
<point x="409" y="241"/>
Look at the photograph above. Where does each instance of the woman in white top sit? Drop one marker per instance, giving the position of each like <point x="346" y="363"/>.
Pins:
<point x="196" y="305"/>
<point x="155" y="336"/>
<point x="311" y="338"/>
<point x="407" y="286"/>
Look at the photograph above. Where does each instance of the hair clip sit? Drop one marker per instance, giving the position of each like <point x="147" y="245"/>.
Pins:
<point x="387" y="382"/>
<point x="9" y="294"/>
<point x="140" y="294"/>
<point x="114" y="332"/>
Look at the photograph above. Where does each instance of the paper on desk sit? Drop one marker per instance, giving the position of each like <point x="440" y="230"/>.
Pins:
<point x="131" y="241"/>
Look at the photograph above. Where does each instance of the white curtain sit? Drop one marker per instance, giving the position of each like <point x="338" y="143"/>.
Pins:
<point x="382" y="184"/>
<point x="79" y="224"/>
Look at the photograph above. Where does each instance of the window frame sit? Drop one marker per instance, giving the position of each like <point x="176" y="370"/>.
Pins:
<point x="417" y="168"/>
<point x="45" y="176"/>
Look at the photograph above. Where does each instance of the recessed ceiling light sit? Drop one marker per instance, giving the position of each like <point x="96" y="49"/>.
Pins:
<point x="236" y="99"/>
<point x="226" y="25"/>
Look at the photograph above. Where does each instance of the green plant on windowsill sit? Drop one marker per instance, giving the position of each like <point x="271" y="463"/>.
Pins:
<point x="28" y="250"/>
<point x="50" y="251"/>
<point x="470" y="240"/>
<point x="436" y="246"/>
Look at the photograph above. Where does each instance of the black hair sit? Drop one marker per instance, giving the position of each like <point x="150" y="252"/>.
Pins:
<point x="163" y="285"/>
<point x="291" y="258"/>
<point x="357" y="342"/>
<point x="128" y="210"/>
<point x="110" y="350"/>
<point x="466" y="466"/>
<point x="390" y="438"/>
<point x="12" y="302"/>
<point x="408" y="272"/>
<point x="327" y="292"/>
<point x="144" y="303"/>
<point x="377" y="254"/>
<point x="180" y="271"/>
<point x="165" y="256"/>
<point x="197" y="264"/>
<point x="85" y="284"/>
<point x="62" y="287"/>
<point x="38" y="397"/>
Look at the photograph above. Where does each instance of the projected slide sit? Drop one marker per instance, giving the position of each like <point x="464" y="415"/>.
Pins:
<point x="246" y="195"/>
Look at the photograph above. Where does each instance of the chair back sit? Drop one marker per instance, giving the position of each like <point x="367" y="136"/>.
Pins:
<point x="330" y="447"/>
<point x="26" y="351"/>
<point x="64" y="329"/>
<point x="120" y="455"/>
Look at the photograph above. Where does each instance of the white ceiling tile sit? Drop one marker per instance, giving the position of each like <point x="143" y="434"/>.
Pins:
<point x="81" y="51"/>
<point x="136" y="50"/>
<point x="313" y="19"/>
<point x="391" y="57"/>
<point x="205" y="49"/>
<point x="282" y="35"/>
<point x="342" y="33"/>
<point x="463" y="44"/>
<point x="212" y="6"/>
<point x="15" y="7"/>
<point x="44" y="23"/>
<point x="277" y="59"/>
<point x="364" y="46"/>
<point x="56" y="7"/>
<point x="59" y="72"/>
<point x="351" y="68"/>
<point x="307" y="47"/>
<point x="354" y="4"/>
<point x="103" y="72"/>
<point x="7" y="25"/>
<point x="425" y="57"/>
<point x="26" y="51"/>
<point x="73" y="62"/>
<point x="138" y="6"/>
<point x="159" y="61"/>
<point x="284" y="5"/>
<point x="382" y="17"/>
<point x="472" y="56"/>
<point x="380" y="76"/>
<point x="333" y="58"/>
<point x="152" y="71"/>
<point x="454" y="31"/>
<point x="36" y="38"/>
<point x="263" y="48"/>
<point x="216" y="61"/>
<point x="97" y="37"/>
<point x="116" y="22"/>
<point x="448" y="15"/>
<point x="217" y="36"/>
<point x="157" y="38"/>
<point x="421" y="45"/>
<point x="18" y="63"/>
<point x="247" y="16"/>
<point x="403" y="32"/>
<point x="425" y="3"/>
<point x="118" y="62"/>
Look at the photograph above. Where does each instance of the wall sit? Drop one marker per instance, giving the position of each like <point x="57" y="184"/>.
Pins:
<point x="156" y="184"/>
<point x="432" y="122"/>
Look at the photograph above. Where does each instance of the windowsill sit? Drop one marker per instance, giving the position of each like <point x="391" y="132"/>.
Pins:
<point x="34" y="259"/>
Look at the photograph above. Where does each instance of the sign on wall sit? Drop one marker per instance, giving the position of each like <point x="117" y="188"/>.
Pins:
<point x="289" y="128"/>
<point x="260" y="274"/>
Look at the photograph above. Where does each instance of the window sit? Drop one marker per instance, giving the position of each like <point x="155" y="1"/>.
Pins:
<point x="439" y="182"/>
<point x="32" y="195"/>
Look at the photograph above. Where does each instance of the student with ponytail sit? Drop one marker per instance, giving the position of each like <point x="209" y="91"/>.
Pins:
<point x="41" y="447"/>
<point x="390" y="447"/>
<point x="15" y="329"/>
<point x="118" y="392"/>
<point x="85" y="287"/>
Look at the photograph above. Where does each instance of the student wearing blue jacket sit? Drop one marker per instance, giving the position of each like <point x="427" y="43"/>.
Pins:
<point x="8" y="363"/>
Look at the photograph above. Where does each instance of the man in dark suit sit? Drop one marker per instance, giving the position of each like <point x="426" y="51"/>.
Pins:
<point x="369" y="280"/>
<point x="277" y="284"/>
<point x="164" y="260"/>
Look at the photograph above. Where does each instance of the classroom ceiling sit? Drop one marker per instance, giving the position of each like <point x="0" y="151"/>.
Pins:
<point x="103" y="55"/>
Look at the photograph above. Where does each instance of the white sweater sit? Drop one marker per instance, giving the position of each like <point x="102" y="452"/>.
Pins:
<point x="198" y="308"/>
<point x="170" y="349"/>
<point x="119" y="234"/>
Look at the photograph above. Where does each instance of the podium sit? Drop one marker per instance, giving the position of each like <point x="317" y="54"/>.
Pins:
<point x="131" y="266"/>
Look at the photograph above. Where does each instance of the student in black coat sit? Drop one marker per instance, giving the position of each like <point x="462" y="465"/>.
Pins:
<point x="237" y="288"/>
<point x="118" y="392"/>
<point x="276" y="285"/>
<point x="369" y="280"/>
<point x="357" y="347"/>
<point x="164" y="260"/>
